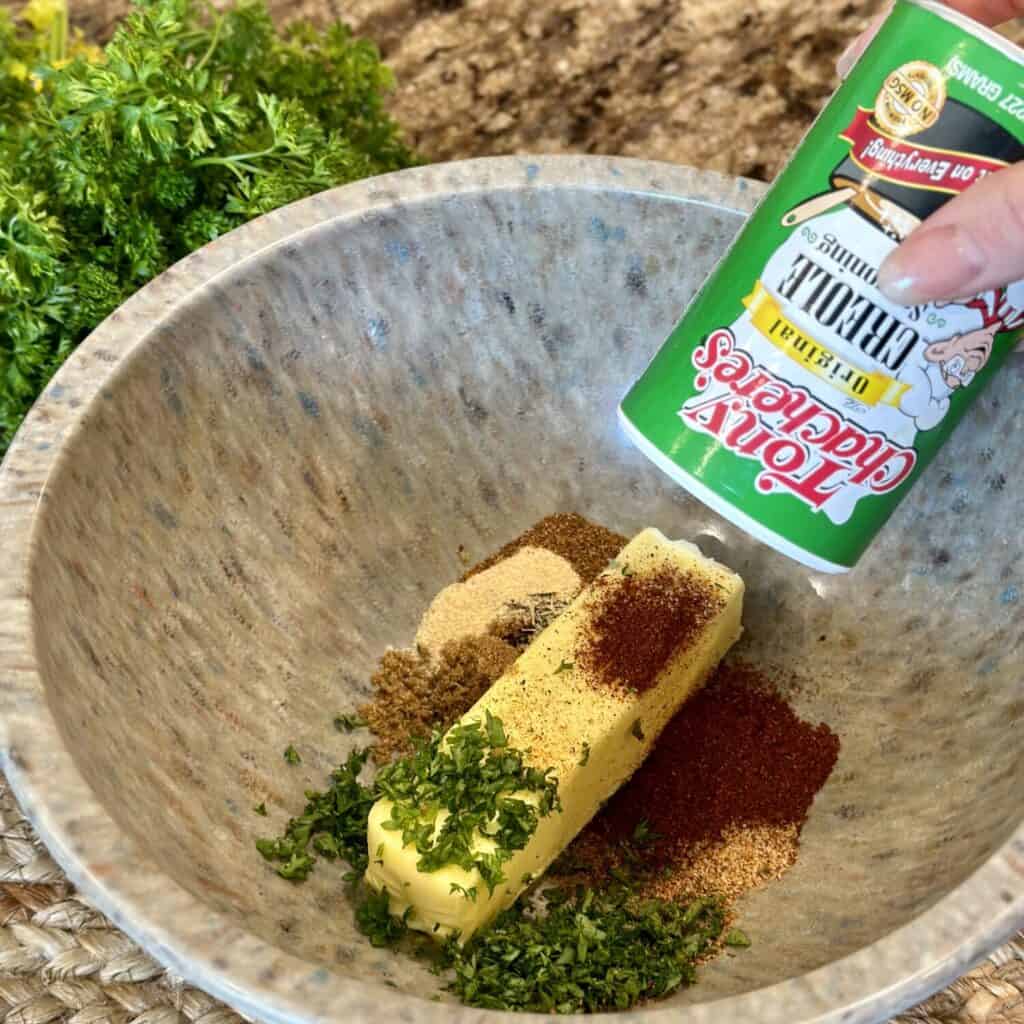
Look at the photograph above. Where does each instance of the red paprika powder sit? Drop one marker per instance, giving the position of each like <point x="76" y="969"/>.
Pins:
<point x="736" y="754"/>
<point x="640" y="622"/>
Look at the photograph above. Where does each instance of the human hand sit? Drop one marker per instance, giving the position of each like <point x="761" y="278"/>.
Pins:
<point x="975" y="242"/>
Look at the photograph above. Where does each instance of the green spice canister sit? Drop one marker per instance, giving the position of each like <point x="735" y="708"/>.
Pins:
<point x="793" y="398"/>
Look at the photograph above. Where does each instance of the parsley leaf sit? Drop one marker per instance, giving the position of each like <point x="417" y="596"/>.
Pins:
<point x="375" y="921"/>
<point x="468" y="894"/>
<point x="495" y="732"/>
<point x="349" y="722"/>
<point x="291" y="755"/>
<point x="585" y="756"/>
<point x="644" y="835"/>
<point x="261" y="809"/>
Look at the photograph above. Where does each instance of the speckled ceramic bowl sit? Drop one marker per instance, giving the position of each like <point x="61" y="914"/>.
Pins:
<point x="252" y="477"/>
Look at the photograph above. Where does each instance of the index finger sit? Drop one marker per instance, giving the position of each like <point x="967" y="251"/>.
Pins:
<point x="989" y="12"/>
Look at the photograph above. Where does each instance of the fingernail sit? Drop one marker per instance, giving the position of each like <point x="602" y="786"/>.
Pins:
<point x="932" y="264"/>
<point x="853" y="52"/>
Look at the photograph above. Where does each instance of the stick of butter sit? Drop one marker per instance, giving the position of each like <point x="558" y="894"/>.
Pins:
<point x="587" y="699"/>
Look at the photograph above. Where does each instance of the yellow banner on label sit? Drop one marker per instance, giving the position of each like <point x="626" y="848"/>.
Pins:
<point x="869" y="388"/>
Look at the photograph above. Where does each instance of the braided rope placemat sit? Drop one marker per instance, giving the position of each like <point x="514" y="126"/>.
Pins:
<point x="62" y="962"/>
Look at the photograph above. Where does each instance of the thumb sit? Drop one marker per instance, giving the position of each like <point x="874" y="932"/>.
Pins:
<point x="973" y="243"/>
<point x="853" y="53"/>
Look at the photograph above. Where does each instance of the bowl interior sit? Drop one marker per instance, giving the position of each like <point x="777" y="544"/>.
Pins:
<point x="267" y="493"/>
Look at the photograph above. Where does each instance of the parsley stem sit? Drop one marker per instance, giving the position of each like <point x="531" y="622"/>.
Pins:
<point x="57" y="47"/>
<point x="237" y="162"/>
<point x="234" y="164"/>
<point x="218" y="25"/>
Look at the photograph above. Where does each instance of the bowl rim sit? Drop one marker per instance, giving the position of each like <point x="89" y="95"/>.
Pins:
<point x="178" y="929"/>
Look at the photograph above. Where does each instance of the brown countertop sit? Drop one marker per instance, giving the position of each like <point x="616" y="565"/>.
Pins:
<point x="721" y="84"/>
<point x="713" y="83"/>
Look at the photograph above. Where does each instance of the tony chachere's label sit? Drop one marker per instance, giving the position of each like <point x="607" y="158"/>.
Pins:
<point x="793" y="397"/>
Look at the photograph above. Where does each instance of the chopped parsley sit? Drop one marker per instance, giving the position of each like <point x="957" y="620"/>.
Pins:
<point x="590" y="952"/>
<point x="333" y="825"/>
<point x="643" y="834"/>
<point x="349" y="722"/>
<point x="471" y="773"/>
<point x="565" y="666"/>
<point x="291" y="755"/>
<point x="585" y="756"/>
<point x="495" y="732"/>
<point x="636" y="729"/>
<point x="375" y="921"/>
<point x="616" y="566"/>
<point x="261" y="809"/>
<point x="586" y="951"/>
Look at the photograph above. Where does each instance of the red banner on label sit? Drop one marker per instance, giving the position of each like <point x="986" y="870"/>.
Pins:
<point x="900" y="161"/>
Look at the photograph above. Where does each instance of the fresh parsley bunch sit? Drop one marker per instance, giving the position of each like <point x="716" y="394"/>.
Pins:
<point x="116" y="163"/>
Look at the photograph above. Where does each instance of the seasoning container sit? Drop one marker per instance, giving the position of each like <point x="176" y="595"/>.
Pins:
<point x="793" y="398"/>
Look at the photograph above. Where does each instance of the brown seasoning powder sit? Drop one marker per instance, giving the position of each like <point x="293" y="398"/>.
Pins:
<point x="413" y="695"/>
<point x="585" y="545"/>
<point x="640" y="621"/>
<point x="467" y="609"/>
<point x="745" y="858"/>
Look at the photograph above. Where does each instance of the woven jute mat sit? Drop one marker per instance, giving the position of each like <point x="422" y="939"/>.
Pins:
<point x="62" y="961"/>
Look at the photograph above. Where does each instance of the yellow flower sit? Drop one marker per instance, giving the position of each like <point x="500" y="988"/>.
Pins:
<point x="41" y="14"/>
<point x="80" y="48"/>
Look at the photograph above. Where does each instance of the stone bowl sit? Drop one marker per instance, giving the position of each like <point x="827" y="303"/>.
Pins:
<point x="250" y="480"/>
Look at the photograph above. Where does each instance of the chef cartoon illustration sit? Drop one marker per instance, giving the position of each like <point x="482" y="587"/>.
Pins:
<point x="949" y="364"/>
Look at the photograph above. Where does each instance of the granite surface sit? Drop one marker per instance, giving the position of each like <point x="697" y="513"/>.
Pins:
<point x="718" y="84"/>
